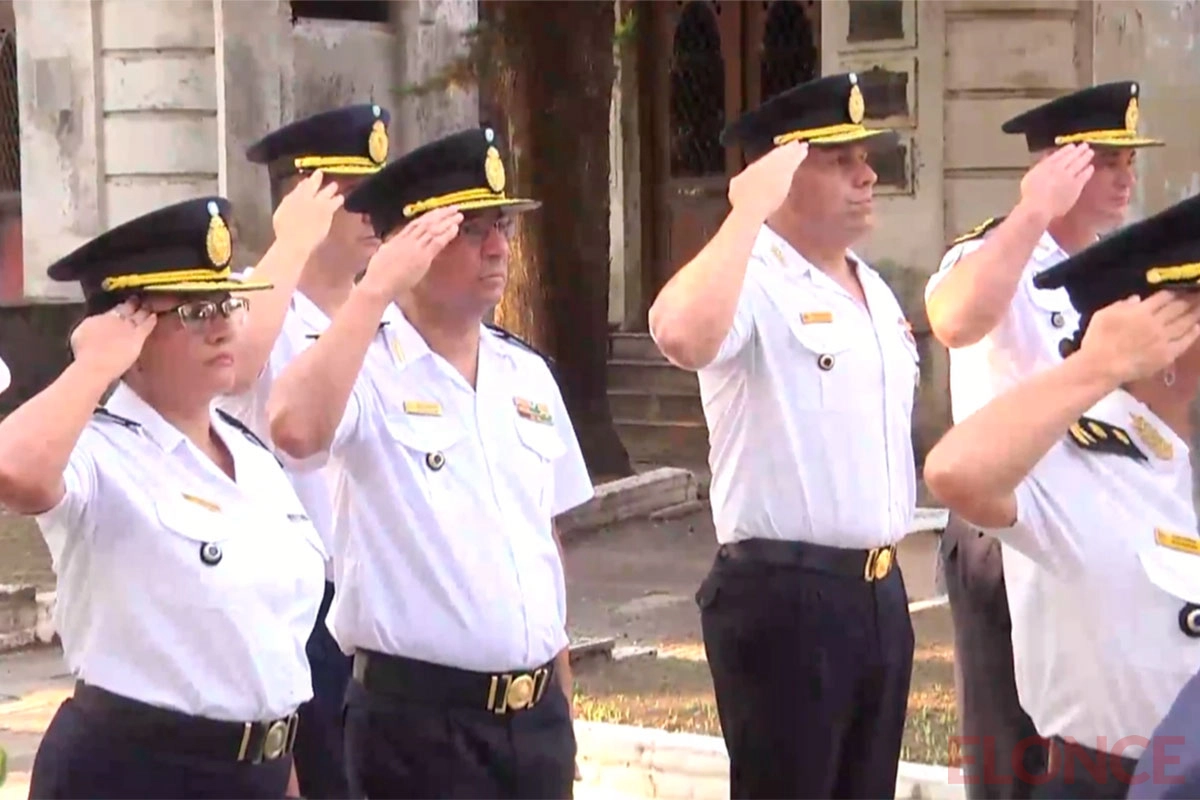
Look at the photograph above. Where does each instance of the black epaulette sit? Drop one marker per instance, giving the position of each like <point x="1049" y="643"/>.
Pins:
<point x="315" y="336"/>
<point x="979" y="231"/>
<point x="104" y="414"/>
<point x="245" y="429"/>
<point x="1103" y="437"/>
<point x="513" y="339"/>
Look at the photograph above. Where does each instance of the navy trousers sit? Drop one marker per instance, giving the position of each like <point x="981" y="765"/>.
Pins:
<point x="412" y="743"/>
<point x="319" y="750"/>
<point x="1170" y="765"/>
<point x="1002" y="753"/>
<point x="83" y="756"/>
<point x="811" y="672"/>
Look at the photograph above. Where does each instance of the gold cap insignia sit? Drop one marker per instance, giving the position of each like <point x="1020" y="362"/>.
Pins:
<point x="857" y="106"/>
<point x="493" y="167"/>
<point x="377" y="143"/>
<point x="217" y="241"/>
<point x="1131" y="115"/>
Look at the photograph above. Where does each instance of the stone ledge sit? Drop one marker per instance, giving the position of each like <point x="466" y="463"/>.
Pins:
<point x="634" y="497"/>
<point x="26" y="617"/>
<point x="652" y="763"/>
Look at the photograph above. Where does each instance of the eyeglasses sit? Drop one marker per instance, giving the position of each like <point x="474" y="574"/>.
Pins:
<point x="477" y="230"/>
<point x="198" y="313"/>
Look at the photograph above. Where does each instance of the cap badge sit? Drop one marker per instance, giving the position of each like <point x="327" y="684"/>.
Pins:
<point x="377" y="143"/>
<point x="493" y="167"/>
<point x="857" y="106"/>
<point x="217" y="241"/>
<point x="1131" y="115"/>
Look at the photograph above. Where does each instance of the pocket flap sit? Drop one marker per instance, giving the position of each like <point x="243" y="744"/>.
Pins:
<point x="541" y="438"/>
<point x="193" y="516"/>
<point x="1176" y="573"/>
<point x="424" y="434"/>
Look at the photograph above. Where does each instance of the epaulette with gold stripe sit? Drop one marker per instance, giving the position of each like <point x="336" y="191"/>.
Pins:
<point x="980" y="230"/>
<point x="1103" y="437"/>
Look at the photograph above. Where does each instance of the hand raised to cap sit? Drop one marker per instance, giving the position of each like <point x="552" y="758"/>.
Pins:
<point x="305" y="215"/>
<point x="1136" y="338"/>
<point x="1053" y="185"/>
<point x="762" y="187"/>
<point x="402" y="261"/>
<point x="111" y="342"/>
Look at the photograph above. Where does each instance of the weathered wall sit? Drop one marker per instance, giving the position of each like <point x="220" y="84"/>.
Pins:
<point x="1157" y="43"/>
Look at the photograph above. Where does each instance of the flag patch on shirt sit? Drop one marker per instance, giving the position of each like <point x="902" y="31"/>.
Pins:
<point x="423" y="408"/>
<point x="200" y="501"/>
<point x="1177" y="542"/>
<point x="535" y="412"/>
<point x="816" y="317"/>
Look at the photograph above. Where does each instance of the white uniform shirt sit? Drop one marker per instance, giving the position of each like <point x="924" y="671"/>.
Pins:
<point x="302" y="325"/>
<point x="444" y="502"/>
<point x="1026" y="339"/>
<point x="5" y="376"/>
<point x="139" y="611"/>
<point x="809" y="408"/>
<point x="1097" y="648"/>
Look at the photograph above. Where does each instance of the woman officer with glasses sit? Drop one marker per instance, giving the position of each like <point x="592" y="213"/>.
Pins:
<point x="188" y="575"/>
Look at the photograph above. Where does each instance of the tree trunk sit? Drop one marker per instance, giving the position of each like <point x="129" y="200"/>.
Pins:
<point x="547" y="91"/>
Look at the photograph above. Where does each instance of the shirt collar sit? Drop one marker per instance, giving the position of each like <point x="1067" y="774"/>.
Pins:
<point x="407" y="344"/>
<point x="308" y="312"/>
<point x="126" y="403"/>
<point x="771" y="248"/>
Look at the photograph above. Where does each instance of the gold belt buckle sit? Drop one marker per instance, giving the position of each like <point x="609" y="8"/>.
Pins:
<point x="879" y="563"/>
<point x="516" y="692"/>
<point x="276" y="740"/>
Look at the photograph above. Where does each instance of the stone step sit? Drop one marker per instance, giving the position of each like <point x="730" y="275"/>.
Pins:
<point x="656" y="406"/>
<point x="634" y="347"/>
<point x="681" y="444"/>
<point x="678" y="510"/>
<point x="650" y="376"/>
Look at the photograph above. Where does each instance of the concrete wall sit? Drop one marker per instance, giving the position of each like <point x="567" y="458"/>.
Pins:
<point x="1158" y="43"/>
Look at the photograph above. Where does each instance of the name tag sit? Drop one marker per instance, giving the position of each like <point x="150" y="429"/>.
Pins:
<point x="200" y="501"/>
<point x="1177" y="542"/>
<point x="423" y="408"/>
<point x="816" y="317"/>
<point x="535" y="412"/>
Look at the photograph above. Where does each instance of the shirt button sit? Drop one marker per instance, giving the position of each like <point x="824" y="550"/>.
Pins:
<point x="1056" y="319"/>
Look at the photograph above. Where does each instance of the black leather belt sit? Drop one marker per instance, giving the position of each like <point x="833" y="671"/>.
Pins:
<point x="867" y="565"/>
<point x="1086" y="759"/>
<point x="166" y="730"/>
<point x="500" y="693"/>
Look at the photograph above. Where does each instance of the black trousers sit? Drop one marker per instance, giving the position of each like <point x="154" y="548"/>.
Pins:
<point x="85" y="756"/>
<point x="1002" y="753"/>
<point x="811" y="672"/>
<point x="320" y="750"/>
<point x="417" y="743"/>
<point x="1077" y="772"/>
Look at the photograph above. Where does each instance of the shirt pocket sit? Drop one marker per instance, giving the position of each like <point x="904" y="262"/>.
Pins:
<point x="431" y="444"/>
<point x="196" y="562"/>
<point x="825" y="351"/>
<point x="1053" y="313"/>
<point x="541" y="446"/>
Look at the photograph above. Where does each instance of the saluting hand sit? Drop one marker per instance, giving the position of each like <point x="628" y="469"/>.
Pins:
<point x="1053" y="185"/>
<point x="111" y="342"/>
<point x="1137" y="338"/>
<point x="402" y="261"/>
<point x="762" y="187"/>
<point x="305" y="215"/>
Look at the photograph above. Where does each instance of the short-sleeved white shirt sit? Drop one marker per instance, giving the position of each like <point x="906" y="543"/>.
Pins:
<point x="142" y="611"/>
<point x="444" y="505"/>
<point x="809" y="407"/>
<point x="1097" y="646"/>
<point x="1026" y="339"/>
